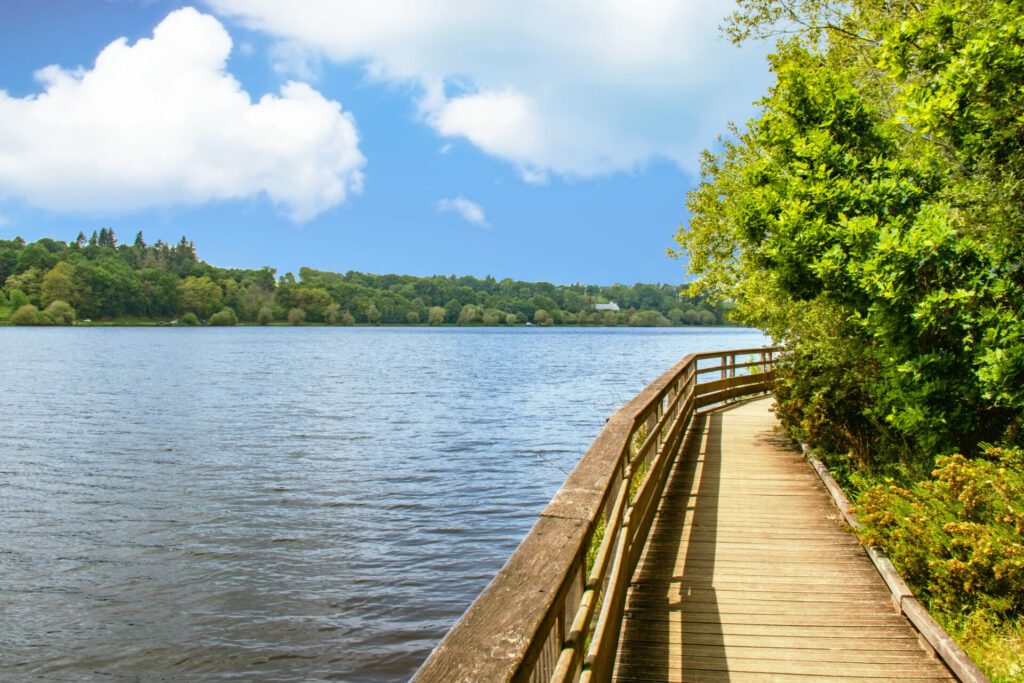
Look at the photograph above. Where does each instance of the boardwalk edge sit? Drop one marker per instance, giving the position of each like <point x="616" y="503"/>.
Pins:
<point x="945" y="647"/>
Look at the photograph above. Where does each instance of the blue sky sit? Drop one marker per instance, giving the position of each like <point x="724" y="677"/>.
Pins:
<point x="537" y="140"/>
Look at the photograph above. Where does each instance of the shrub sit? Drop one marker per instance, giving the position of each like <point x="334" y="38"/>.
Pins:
<point x="542" y="317"/>
<point x="435" y="316"/>
<point x="16" y="298"/>
<point x="958" y="538"/>
<point x="511" y="319"/>
<point x="332" y="314"/>
<point x="469" y="315"/>
<point x="189" y="319"/>
<point x="296" y="316"/>
<point x="649" y="319"/>
<point x="265" y="315"/>
<point x="225" y="316"/>
<point x="28" y="315"/>
<point x="347" y="318"/>
<point x="60" y="313"/>
<point x="412" y="317"/>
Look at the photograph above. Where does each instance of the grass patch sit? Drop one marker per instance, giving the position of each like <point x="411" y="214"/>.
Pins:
<point x="997" y="647"/>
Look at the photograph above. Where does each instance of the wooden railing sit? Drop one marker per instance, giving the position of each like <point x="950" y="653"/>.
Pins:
<point x="554" y="611"/>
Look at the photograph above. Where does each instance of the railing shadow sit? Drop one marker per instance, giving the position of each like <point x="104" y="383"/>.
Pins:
<point x="682" y="631"/>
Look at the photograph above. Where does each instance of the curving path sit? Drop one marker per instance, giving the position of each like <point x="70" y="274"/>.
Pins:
<point x="750" y="575"/>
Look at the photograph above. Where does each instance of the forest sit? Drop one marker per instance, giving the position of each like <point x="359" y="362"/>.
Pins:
<point x="96" y="279"/>
<point x="872" y="219"/>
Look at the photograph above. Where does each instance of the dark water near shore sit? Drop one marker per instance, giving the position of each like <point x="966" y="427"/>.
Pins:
<point x="283" y="504"/>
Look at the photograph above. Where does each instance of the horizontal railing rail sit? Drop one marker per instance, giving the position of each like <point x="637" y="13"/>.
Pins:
<point x="554" y="611"/>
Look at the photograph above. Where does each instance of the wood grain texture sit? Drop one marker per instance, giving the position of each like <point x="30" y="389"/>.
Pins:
<point x="751" y="574"/>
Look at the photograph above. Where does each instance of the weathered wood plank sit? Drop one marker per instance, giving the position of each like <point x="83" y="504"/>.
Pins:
<point x="748" y="572"/>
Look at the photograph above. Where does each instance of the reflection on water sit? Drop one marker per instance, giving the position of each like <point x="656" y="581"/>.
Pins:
<point x="285" y="503"/>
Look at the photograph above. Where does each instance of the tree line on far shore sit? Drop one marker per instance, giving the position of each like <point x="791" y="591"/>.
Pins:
<point x="51" y="282"/>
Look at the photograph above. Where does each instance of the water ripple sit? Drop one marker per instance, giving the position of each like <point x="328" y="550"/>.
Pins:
<point x="282" y="504"/>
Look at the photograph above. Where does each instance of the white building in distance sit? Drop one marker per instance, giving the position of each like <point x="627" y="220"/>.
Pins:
<point x="610" y="306"/>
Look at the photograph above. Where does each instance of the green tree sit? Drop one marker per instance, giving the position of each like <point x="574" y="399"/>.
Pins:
<point x="296" y="316"/>
<point x="436" y="315"/>
<point x="223" y="317"/>
<point x="200" y="295"/>
<point x="160" y="292"/>
<point x="16" y="298"/>
<point x="372" y="314"/>
<point x="28" y="315"/>
<point x="189" y="319"/>
<point x="469" y="315"/>
<point x="881" y="185"/>
<point x="265" y="315"/>
<point x="58" y="283"/>
<point x="60" y="313"/>
<point x="542" y="317"/>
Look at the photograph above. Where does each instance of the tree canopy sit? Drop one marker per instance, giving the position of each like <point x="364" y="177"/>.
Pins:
<point x="870" y="217"/>
<point x="101" y="279"/>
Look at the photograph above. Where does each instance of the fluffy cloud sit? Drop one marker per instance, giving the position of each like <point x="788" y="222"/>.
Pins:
<point x="573" y="87"/>
<point x="468" y="209"/>
<point x="161" y="122"/>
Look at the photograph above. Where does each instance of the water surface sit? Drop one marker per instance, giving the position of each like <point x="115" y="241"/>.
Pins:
<point x="283" y="504"/>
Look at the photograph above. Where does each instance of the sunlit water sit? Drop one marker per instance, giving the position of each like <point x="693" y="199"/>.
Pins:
<point x="283" y="504"/>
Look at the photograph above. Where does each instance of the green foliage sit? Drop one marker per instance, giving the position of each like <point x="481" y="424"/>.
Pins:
<point x="542" y="317"/>
<point x="871" y="219"/>
<point x="332" y="314"/>
<point x="16" y="298"/>
<point x="223" y="317"/>
<point x="648" y="319"/>
<point x="296" y="316"/>
<point x="469" y="315"/>
<point x="59" y="313"/>
<point x="200" y="295"/>
<point x="102" y="279"/>
<point x="58" y="283"/>
<point x="189" y="319"/>
<point x="880" y="192"/>
<point x="958" y="538"/>
<point x="436" y="315"/>
<point x="265" y="315"/>
<point x="27" y="315"/>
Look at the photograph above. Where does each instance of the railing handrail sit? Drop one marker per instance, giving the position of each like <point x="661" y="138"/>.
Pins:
<point x="536" y="619"/>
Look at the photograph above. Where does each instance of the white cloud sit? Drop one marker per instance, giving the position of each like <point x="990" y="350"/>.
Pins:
<point x="468" y="209"/>
<point x="161" y="122"/>
<point x="573" y="87"/>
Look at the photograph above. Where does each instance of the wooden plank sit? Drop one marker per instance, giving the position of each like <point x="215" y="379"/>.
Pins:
<point x="749" y="573"/>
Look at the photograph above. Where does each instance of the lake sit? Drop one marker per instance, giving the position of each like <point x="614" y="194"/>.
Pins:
<point x="283" y="504"/>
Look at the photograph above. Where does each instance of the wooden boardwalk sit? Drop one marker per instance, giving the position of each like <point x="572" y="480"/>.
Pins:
<point x="749" y="574"/>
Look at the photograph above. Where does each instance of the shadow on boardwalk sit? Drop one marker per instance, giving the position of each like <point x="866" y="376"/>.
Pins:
<point x="748" y="574"/>
<point x="690" y="498"/>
